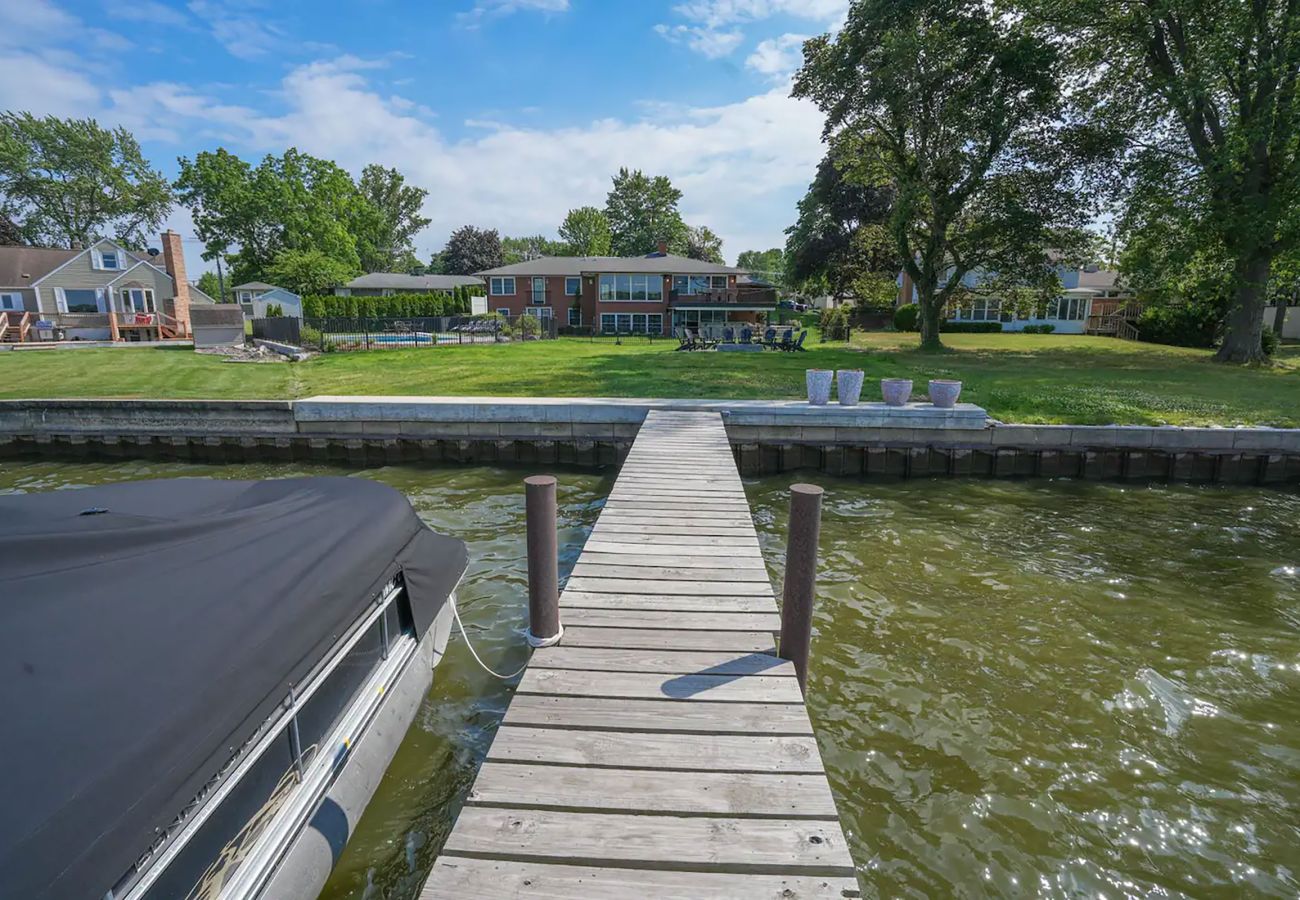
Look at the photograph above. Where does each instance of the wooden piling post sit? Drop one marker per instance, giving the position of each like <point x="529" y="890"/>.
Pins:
<point x="544" y="628"/>
<point x="800" y="576"/>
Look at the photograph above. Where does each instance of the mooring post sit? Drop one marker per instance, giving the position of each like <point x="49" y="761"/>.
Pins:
<point x="800" y="576"/>
<point x="544" y="628"/>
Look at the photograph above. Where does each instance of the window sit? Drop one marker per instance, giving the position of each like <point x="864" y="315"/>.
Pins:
<point x="1067" y="308"/>
<point x="82" y="301"/>
<point x="138" y="300"/>
<point x="981" y="309"/>
<point x="503" y="311"/>
<point x="572" y="287"/>
<point x="681" y="284"/>
<point x="718" y="282"/>
<point x="575" y="317"/>
<point x="632" y="323"/>
<point x="502" y="287"/>
<point x="631" y="288"/>
<point x="107" y="259"/>
<point x="541" y="312"/>
<point x="11" y="302"/>
<point x="539" y="291"/>
<point x="245" y="296"/>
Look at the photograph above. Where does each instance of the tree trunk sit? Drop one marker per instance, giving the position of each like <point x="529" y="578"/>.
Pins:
<point x="1245" y="324"/>
<point x="1279" y="316"/>
<point x="930" y="311"/>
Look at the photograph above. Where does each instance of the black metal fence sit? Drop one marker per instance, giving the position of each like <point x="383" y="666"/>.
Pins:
<point x="385" y="333"/>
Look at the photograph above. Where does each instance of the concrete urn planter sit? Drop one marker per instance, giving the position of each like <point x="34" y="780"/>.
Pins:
<point x="819" y="386"/>
<point x="944" y="393"/>
<point x="896" y="391"/>
<point x="849" y="385"/>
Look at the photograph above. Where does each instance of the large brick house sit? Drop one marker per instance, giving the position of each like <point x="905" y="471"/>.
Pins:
<point x="656" y="293"/>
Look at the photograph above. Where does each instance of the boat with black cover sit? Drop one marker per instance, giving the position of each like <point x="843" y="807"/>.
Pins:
<point x="204" y="680"/>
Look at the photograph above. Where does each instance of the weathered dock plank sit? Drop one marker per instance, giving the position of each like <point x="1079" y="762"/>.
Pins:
<point x="661" y="749"/>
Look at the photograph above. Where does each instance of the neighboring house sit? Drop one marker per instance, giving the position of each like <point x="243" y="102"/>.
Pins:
<point x="656" y="293"/>
<point x="385" y="284"/>
<point x="251" y="290"/>
<point x="1087" y="294"/>
<point x="101" y="292"/>
<point x="290" y="303"/>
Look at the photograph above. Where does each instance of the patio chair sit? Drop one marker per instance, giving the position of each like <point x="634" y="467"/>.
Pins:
<point x="747" y="335"/>
<point x="787" y="340"/>
<point x="798" y="345"/>
<point x="728" y="335"/>
<point x="684" y="339"/>
<point x="769" y="339"/>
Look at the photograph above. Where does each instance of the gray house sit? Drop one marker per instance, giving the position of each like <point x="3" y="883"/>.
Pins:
<point x="101" y="292"/>
<point x="385" y="284"/>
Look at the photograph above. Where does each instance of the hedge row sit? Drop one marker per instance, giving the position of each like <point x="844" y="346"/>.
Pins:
<point x="437" y="304"/>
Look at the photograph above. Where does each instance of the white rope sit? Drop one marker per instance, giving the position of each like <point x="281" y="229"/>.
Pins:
<point x="451" y="598"/>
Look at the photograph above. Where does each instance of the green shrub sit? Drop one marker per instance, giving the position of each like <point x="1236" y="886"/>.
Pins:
<point x="311" y="338"/>
<point x="907" y="318"/>
<point x="1269" y="340"/>
<point x="1181" y="324"/>
<point x="1038" y="329"/>
<point x="528" y="327"/>
<point x="274" y="311"/>
<point x="970" y="327"/>
<point x="395" y="306"/>
<point x="834" y="324"/>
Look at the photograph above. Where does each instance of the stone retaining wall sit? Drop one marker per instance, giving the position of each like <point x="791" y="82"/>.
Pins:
<point x="917" y="441"/>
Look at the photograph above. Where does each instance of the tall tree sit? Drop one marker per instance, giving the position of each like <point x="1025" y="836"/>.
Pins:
<point x="520" y="249"/>
<point x="10" y="234"/>
<point x="209" y="284"/>
<point x="307" y="271"/>
<point x="389" y="221"/>
<point x="956" y="107"/>
<point x="1206" y="93"/>
<point x="642" y="211"/>
<point x="585" y="231"/>
<point x="66" y="180"/>
<point x="839" y="241"/>
<point x="471" y="250"/>
<point x="289" y="202"/>
<point x="768" y="265"/>
<point x="703" y="244"/>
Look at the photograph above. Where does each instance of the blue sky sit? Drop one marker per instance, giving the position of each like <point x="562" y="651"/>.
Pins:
<point x="508" y="111"/>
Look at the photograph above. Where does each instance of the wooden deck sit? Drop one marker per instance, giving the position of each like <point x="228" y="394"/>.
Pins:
<point x="662" y="749"/>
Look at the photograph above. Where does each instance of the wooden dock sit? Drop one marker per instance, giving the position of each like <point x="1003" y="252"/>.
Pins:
<point x="661" y="749"/>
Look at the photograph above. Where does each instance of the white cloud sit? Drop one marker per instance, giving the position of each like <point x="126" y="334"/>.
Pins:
<point x="714" y="31"/>
<point x="483" y="9"/>
<point x="708" y="42"/>
<point x="720" y="13"/>
<point x="741" y="166"/>
<point x="23" y="22"/>
<point x="242" y="29"/>
<point x="777" y="58"/>
<point x="148" y="11"/>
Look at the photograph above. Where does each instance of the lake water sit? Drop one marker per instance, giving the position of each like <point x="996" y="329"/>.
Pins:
<point x="1020" y="688"/>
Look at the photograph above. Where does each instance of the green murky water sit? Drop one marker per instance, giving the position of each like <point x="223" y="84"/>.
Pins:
<point x="1020" y="688"/>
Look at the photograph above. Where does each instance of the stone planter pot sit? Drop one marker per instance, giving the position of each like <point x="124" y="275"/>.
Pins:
<point x="849" y="385"/>
<point x="896" y="391"/>
<point x="819" y="386"/>
<point x="944" y="393"/>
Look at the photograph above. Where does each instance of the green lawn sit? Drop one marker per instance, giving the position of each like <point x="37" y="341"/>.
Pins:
<point x="1018" y="378"/>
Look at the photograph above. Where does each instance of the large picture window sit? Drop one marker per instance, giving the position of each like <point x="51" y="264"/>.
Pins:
<point x="82" y="301"/>
<point x="631" y="288"/>
<point x="632" y="323"/>
<point x="1067" y="308"/>
<point x="699" y="284"/>
<point x="502" y="287"/>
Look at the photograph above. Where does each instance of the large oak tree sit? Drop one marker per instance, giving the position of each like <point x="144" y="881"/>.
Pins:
<point x="1205" y="93"/>
<point x="955" y="107"/>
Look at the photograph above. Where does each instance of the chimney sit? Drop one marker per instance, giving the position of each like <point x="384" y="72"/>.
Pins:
<point x="663" y="248"/>
<point x="174" y="262"/>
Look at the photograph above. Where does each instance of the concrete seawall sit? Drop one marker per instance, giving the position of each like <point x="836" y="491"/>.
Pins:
<point x="767" y="437"/>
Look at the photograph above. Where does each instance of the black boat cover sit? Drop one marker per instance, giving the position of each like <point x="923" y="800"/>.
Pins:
<point x="148" y="628"/>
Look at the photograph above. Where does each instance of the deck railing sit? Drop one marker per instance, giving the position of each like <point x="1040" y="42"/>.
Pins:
<point x="15" y="330"/>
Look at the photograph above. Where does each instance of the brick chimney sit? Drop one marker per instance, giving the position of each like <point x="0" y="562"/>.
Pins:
<point x="663" y="248"/>
<point x="174" y="262"/>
